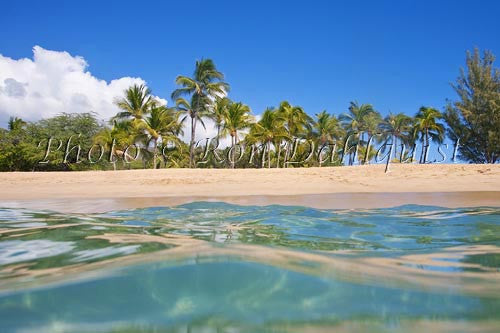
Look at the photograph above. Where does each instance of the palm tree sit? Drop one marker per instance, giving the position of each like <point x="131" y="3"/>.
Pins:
<point x="136" y="104"/>
<point x="270" y="128"/>
<point x="205" y="85"/>
<point x="372" y="122"/>
<point x="297" y="123"/>
<point x="427" y="125"/>
<point x="398" y="127"/>
<point x="359" y="119"/>
<point x="296" y="120"/>
<point x="326" y="128"/>
<point x="219" y="113"/>
<point x="15" y="124"/>
<point x="237" y="117"/>
<point x="355" y="120"/>
<point x="161" y="124"/>
<point x="183" y="106"/>
<point x="120" y="135"/>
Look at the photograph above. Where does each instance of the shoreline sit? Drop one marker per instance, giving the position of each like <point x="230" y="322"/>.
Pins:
<point x="319" y="201"/>
<point x="447" y="185"/>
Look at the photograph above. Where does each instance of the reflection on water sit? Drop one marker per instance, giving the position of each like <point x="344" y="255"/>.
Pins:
<point x="215" y="267"/>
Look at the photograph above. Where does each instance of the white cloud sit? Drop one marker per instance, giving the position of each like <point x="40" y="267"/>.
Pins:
<point x="210" y="131"/>
<point x="55" y="82"/>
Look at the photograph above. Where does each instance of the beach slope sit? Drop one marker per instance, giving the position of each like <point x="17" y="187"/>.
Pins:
<point x="473" y="184"/>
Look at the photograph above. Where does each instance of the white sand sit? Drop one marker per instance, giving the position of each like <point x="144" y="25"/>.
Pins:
<point x="366" y="186"/>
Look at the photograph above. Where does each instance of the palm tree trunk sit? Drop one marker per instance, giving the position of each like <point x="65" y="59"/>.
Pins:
<point x="390" y="156"/>
<point x="320" y="146"/>
<point x="154" y="153"/>
<point x="263" y="156"/>
<point x="427" y="144"/>
<point x="423" y="148"/>
<point x="285" y="158"/>
<point x="393" y="146"/>
<point x="269" y="154"/>
<point x="233" y="144"/>
<point x="191" y="144"/>
<point x="113" y="160"/>
<point x="279" y="155"/>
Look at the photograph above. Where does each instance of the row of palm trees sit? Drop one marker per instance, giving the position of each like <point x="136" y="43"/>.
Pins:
<point x="204" y="96"/>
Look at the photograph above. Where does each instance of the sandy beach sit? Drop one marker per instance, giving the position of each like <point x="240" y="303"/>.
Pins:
<point x="335" y="187"/>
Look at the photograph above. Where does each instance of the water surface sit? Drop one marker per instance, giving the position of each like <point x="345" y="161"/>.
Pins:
<point x="216" y="267"/>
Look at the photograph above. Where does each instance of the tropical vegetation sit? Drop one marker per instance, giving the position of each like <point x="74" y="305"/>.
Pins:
<point x="145" y="133"/>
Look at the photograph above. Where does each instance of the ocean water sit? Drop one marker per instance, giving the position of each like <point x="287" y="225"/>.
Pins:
<point x="217" y="267"/>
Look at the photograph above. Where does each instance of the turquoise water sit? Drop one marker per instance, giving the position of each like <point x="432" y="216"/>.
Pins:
<point x="216" y="267"/>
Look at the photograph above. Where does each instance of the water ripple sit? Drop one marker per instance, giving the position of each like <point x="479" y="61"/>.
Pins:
<point x="229" y="268"/>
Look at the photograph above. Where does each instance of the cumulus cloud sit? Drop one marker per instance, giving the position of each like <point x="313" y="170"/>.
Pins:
<point x="54" y="82"/>
<point x="210" y="131"/>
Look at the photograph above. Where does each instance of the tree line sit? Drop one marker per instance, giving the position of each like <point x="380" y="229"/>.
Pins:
<point x="471" y="122"/>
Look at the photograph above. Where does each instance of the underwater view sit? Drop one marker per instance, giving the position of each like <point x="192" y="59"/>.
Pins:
<point x="217" y="267"/>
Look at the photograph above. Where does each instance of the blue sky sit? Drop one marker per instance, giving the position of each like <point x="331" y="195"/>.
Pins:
<point x="397" y="55"/>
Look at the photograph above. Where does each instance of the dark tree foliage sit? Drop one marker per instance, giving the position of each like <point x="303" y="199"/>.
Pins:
<point x="18" y="150"/>
<point x="283" y="136"/>
<point x="23" y="145"/>
<point x="474" y="119"/>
